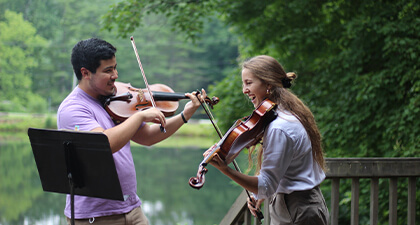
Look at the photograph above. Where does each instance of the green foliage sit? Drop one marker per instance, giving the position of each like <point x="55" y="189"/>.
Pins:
<point x="357" y="66"/>
<point x="169" y="59"/>
<point x="371" y="111"/>
<point x="172" y="60"/>
<point x="36" y="104"/>
<point x="166" y="56"/>
<point x="50" y="122"/>
<point x="194" y="66"/>
<point x="183" y="16"/>
<point x="18" y="46"/>
<point x="231" y="107"/>
<point x="357" y="63"/>
<point x="64" y="23"/>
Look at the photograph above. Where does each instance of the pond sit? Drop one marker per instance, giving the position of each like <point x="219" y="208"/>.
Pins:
<point x="162" y="176"/>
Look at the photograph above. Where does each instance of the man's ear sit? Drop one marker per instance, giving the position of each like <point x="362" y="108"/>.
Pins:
<point x="85" y="72"/>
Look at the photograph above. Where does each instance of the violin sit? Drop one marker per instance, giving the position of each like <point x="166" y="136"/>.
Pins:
<point x="127" y="100"/>
<point x="242" y="134"/>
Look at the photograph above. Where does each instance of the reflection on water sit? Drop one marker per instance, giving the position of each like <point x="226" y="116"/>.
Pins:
<point x="50" y="220"/>
<point x="153" y="210"/>
<point x="162" y="177"/>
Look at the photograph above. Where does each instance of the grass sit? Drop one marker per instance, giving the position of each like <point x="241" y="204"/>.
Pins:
<point x="192" y="135"/>
<point x="14" y="127"/>
<point x="20" y="122"/>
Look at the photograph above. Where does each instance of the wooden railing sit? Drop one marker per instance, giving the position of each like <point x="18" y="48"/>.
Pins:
<point x="354" y="169"/>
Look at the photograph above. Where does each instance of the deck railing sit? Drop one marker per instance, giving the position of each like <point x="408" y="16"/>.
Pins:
<point x="354" y="169"/>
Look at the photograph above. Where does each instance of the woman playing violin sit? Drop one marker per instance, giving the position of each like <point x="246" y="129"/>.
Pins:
<point x="95" y="66"/>
<point x="290" y="164"/>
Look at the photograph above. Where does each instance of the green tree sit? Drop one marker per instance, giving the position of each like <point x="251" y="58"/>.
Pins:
<point x="357" y="63"/>
<point x="166" y="56"/>
<point x="185" y="65"/>
<point x="63" y="23"/>
<point x="69" y="22"/>
<point x="357" y="59"/>
<point x="18" y="45"/>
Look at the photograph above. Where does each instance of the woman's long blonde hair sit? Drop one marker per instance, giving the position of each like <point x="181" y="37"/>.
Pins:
<point x="272" y="73"/>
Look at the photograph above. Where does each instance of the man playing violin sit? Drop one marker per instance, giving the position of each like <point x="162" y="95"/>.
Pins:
<point x="290" y="164"/>
<point x="95" y="65"/>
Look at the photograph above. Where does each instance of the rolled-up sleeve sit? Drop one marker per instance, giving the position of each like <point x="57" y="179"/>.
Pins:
<point x="277" y="156"/>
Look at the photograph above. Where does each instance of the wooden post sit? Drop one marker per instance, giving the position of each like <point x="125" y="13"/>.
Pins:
<point x="374" y="190"/>
<point x="335" y="198"/>
<point x="411" y="215"/>
<point x="393" y="198"/>
<point x="355" y="201"/>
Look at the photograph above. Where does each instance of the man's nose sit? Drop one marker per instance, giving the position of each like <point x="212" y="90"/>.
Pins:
<point x="115" y="75"/>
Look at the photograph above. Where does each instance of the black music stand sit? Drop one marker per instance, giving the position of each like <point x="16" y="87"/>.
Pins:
<point x="75" y="163"/>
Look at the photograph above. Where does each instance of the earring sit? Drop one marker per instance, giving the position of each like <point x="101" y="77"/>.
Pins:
<point x="268" y="91"/>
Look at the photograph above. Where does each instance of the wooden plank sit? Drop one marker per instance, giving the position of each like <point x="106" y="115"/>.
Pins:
<point x="335" y="198"/>
<point x="393" y="198"/>
<point x="235" y="210"/>
<point x="373" y="167"/>
<point x="247" y="217"/>
<point x="374" y="202"/>
<point x="411" y="215"/>
<point x="355" y="201"/>
<point x="340" y="168"/>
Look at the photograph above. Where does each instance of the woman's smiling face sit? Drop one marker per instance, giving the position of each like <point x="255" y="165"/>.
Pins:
<point x="253" y="87"/>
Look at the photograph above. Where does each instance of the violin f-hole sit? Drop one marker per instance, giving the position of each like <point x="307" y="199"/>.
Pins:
<point x="142" y="106"/>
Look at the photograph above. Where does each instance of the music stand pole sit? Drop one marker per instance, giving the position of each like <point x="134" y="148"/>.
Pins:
<point x="68" y="147"/>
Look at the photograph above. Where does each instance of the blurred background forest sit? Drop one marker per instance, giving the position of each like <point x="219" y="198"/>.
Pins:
<point x="357" y="61"/>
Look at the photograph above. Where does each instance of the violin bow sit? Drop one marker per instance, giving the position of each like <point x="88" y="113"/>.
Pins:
<point x="152" y="100"/>
<point x="260" y="215"/>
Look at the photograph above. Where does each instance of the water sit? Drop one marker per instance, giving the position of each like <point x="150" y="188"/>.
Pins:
<point x="162" y="175"/>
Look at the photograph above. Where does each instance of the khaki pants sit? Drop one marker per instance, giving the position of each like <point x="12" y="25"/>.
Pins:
<point x="299" y="208"/>
<point x="135" y="217"/>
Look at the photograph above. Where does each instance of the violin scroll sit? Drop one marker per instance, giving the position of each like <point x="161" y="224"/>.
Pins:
<point x="198" y="182"/>
<point x="211" y="102"/>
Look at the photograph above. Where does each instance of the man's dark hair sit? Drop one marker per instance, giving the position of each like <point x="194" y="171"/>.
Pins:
<point x="89" y="53"/>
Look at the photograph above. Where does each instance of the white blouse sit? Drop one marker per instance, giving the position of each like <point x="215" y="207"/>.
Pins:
<point x="287" y="164"/>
